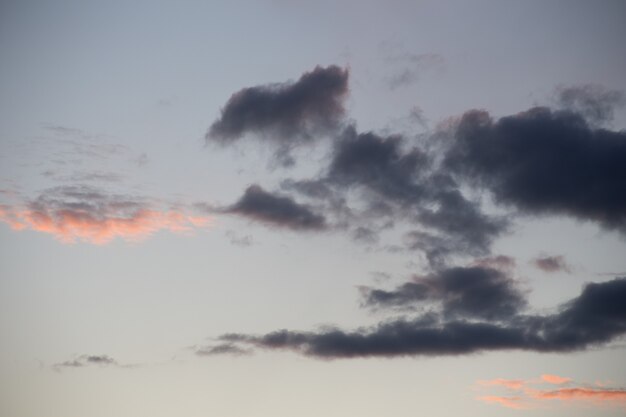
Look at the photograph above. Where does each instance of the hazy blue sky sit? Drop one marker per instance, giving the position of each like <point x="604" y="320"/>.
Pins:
<point x="290" y="208"/>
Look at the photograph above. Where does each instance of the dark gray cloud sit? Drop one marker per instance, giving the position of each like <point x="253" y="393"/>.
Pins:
<point x="276" y="210"/>
<point x="544" y="162"/>
<point x="394" y="181"/>
<point x="288" y="112"/>
<point x="596" y="317"/>
<point x="86" y="360"/>
<point x="478" y="292"/>
<point x="462" y="220"/>
<point x="438" y="248"/>
<point x="379" y="164"/>
<point x="539" y="162"/>
<point x="595" y="102"/>
<point x="552" y="264"/>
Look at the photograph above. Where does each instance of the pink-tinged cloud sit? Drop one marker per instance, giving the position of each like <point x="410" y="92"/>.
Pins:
<point x="555" y="379"/>
<point x="514" y="384"/>
<point x="509" y="402"/>
<point x="583" y="394"/>
<point x="529" y="396"/>
<point x="69" y="225"/>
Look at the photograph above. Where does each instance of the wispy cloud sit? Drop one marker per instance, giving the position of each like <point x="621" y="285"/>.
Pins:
<point x="80" y="213"/>
<point x="90" y="360"/>
<point x="509" y="402"/>
<point x="555" y="379"/>
<point x="594" y="101"/>
<point x="533" y="393"/>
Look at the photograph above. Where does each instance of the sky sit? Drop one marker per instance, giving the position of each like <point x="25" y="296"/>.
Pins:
<point x="289" y="208"/>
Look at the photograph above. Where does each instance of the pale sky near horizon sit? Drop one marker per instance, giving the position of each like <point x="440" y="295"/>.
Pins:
<point x="289" y="208"/>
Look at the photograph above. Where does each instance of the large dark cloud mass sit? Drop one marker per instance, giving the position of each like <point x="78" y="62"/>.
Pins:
<point x="544" y="162"/>
<point x="596" y="317"/>
<point x="538" y="162"/>
<point x="276" y="210"/>
<point x="285" y="112"/>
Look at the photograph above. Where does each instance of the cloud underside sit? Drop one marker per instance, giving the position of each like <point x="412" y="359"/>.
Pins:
<point x="596" y="317"/>
<point x="80" y="213"/>
<point x="544" y="162"/>
<point x="529" y="394"/>
<point x="276" y="210"/>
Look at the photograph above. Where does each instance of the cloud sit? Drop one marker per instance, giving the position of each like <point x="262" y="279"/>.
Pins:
<point x="596" y="317"/>
<point x="508" y="402"/>
<point x="87" y="214"/>
<point x="528" y="393"/>
<point x="583" y="394"/>
<point x="462" y="291"/>
<point x="514" y="384"/>
<point x="408" y="68"/>
<point x="538" y="162"/>
<point x="501" y="262"/>
<point x="595" y="102"/>
<point x="285" y="114"/>
<point x="391" y="181"/>
<point x="87" y="360"/>
<point x="544" y="162"/>
<point x="276" y="210"/>
<point x="378" y="164"/>
<point x="239" y="240"/>
<point x="555" y="379"/>
<point x="223" y="349"/>
<point x="552" y="264"/>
